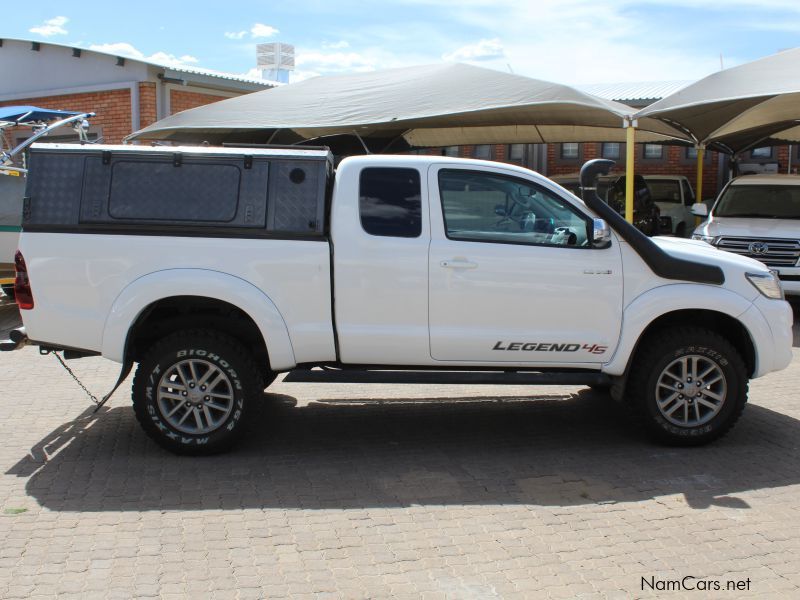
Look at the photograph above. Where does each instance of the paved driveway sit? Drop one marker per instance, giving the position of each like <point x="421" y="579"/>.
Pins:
<point x="453" y="492"/>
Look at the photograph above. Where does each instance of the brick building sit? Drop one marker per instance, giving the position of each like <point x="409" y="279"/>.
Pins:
<point x="126" y="94"/>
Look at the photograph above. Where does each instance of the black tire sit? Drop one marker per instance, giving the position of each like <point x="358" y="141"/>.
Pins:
<point x="8" y="290"/>
<point x="680" y="230"/>
<point x="655" y="356"/>
<point x="154" y="395"/>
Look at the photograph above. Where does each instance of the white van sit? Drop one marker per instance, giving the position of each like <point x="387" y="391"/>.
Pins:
<point x="758" y="216"/>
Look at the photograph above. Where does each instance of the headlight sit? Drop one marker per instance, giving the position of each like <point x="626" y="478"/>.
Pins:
<point x="708" y="239"/>
<point x="768" y="284"/>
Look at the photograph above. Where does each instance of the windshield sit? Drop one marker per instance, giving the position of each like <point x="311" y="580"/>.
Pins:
<point x="760" y="201"/>
<point x="665" y="190"/>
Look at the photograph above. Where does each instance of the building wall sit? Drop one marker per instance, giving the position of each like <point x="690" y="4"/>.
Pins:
<point x="28" y="72"/>
<point x="148" y="112"/>
<point x="181" y="100"/>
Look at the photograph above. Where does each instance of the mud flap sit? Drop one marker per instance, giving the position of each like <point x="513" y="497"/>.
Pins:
<point x="123" y="374"/>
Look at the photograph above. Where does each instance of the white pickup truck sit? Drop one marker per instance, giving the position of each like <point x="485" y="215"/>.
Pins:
<point x="215" y="269"/>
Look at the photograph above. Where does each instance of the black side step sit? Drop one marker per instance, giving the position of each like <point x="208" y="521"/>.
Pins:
<point x="447" y="377"/>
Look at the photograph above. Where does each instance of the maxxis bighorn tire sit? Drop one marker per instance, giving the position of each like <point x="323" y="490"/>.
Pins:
<point x="654" y="391"/>
<point x="171" y="406"/>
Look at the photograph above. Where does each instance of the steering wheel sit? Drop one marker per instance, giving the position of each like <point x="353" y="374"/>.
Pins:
<point x="524" y="202"/>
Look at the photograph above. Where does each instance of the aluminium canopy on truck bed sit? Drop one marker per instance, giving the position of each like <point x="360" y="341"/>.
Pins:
<point x="243" y="192"/>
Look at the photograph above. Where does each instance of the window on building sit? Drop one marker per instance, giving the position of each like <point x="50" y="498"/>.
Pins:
<point x="483" y="151"/>
<point x="610" y="150"/>
<point x="653" y="151"/>
<point x="516" y="152"/>
<point x="570" y="150"/>
<point x="390" y="202"/>
<point x="450" y="151"/>
<point x="765" y="152"/>
<point x="484" y="207"/>
<point x="691" y="152"/>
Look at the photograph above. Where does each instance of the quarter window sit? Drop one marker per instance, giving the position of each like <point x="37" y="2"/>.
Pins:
<point x="390" y="203"/>
<point x="484" y="207"/>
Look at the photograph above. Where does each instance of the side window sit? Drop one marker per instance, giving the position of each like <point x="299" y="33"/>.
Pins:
<point x="389" y="202"/>
<point x="483" y="207"/>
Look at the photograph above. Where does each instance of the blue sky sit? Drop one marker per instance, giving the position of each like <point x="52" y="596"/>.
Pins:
<point x="569" y="41"/>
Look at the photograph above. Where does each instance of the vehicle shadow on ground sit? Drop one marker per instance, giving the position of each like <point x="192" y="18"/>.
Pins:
<point x="546" y="451"/>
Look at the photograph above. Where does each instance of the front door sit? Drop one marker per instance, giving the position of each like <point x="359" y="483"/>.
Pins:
<point x="513" y="276"/>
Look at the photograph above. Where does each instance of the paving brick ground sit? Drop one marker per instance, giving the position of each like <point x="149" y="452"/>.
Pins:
<point x="344" y="492"/>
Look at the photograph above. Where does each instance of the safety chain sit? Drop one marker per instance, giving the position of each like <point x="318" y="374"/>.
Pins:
<point x="75" y="377"/>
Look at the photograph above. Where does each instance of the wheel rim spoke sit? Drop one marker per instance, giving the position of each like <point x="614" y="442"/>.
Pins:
<point x="185" y="414"/>
<point x="174" y="410"/>
<point x="691" y="390"/>
<point x="712" y="395"/>
<point x="675" y="407"/>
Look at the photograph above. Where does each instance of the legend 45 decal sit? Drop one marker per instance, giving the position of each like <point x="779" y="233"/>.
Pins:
<point x="548" y="347"/>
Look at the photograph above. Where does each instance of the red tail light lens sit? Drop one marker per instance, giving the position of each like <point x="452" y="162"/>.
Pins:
<point x="22" y="285"/>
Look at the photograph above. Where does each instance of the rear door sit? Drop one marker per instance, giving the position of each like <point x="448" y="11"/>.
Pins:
<point x="381" y="233"/>
<point x="513" y="276"/>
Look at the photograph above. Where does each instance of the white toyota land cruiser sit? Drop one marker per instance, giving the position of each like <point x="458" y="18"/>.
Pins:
<point x="758" y="216"/>
<point x="215" y="269"/>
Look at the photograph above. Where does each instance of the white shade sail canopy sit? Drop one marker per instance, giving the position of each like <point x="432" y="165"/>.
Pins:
<point x="738" y="108"/>
<point x="397" y="109"/>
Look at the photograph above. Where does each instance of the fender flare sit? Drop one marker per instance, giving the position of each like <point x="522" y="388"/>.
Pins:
<point x="159" y="285"/>
<point x="654" y="303"/>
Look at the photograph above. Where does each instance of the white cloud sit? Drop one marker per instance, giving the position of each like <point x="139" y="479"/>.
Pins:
<point x="235" y="35"/>
<point x="54" y="26"/>
<point x="482" y="50"/>
<point x="259" y="30"/>
<point x="336" y="45"/>
<point x="161" y="58"/>
<point x="337" y="61"/>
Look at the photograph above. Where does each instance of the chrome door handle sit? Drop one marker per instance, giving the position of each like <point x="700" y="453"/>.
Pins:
<point x="458" y="264"/>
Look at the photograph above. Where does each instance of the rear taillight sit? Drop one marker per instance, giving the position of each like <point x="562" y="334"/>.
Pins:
<point x="22" y="285"/>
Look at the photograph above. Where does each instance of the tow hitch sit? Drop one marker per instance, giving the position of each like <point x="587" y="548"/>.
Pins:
<point x="18" y="339"/>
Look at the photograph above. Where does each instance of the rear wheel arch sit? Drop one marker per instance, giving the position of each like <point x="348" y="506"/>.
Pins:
<point x="201" y="292"/>
<point x="168" y="315"/>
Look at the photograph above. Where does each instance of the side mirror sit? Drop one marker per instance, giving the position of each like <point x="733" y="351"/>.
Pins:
<point x="601" y="234"/>
<point x="500" y="210"/>
<point x="699" y="209"/>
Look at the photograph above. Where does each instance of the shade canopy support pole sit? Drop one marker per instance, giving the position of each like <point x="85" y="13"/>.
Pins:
<point x="630" y="125"/>
<point x="698" y="192"/>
